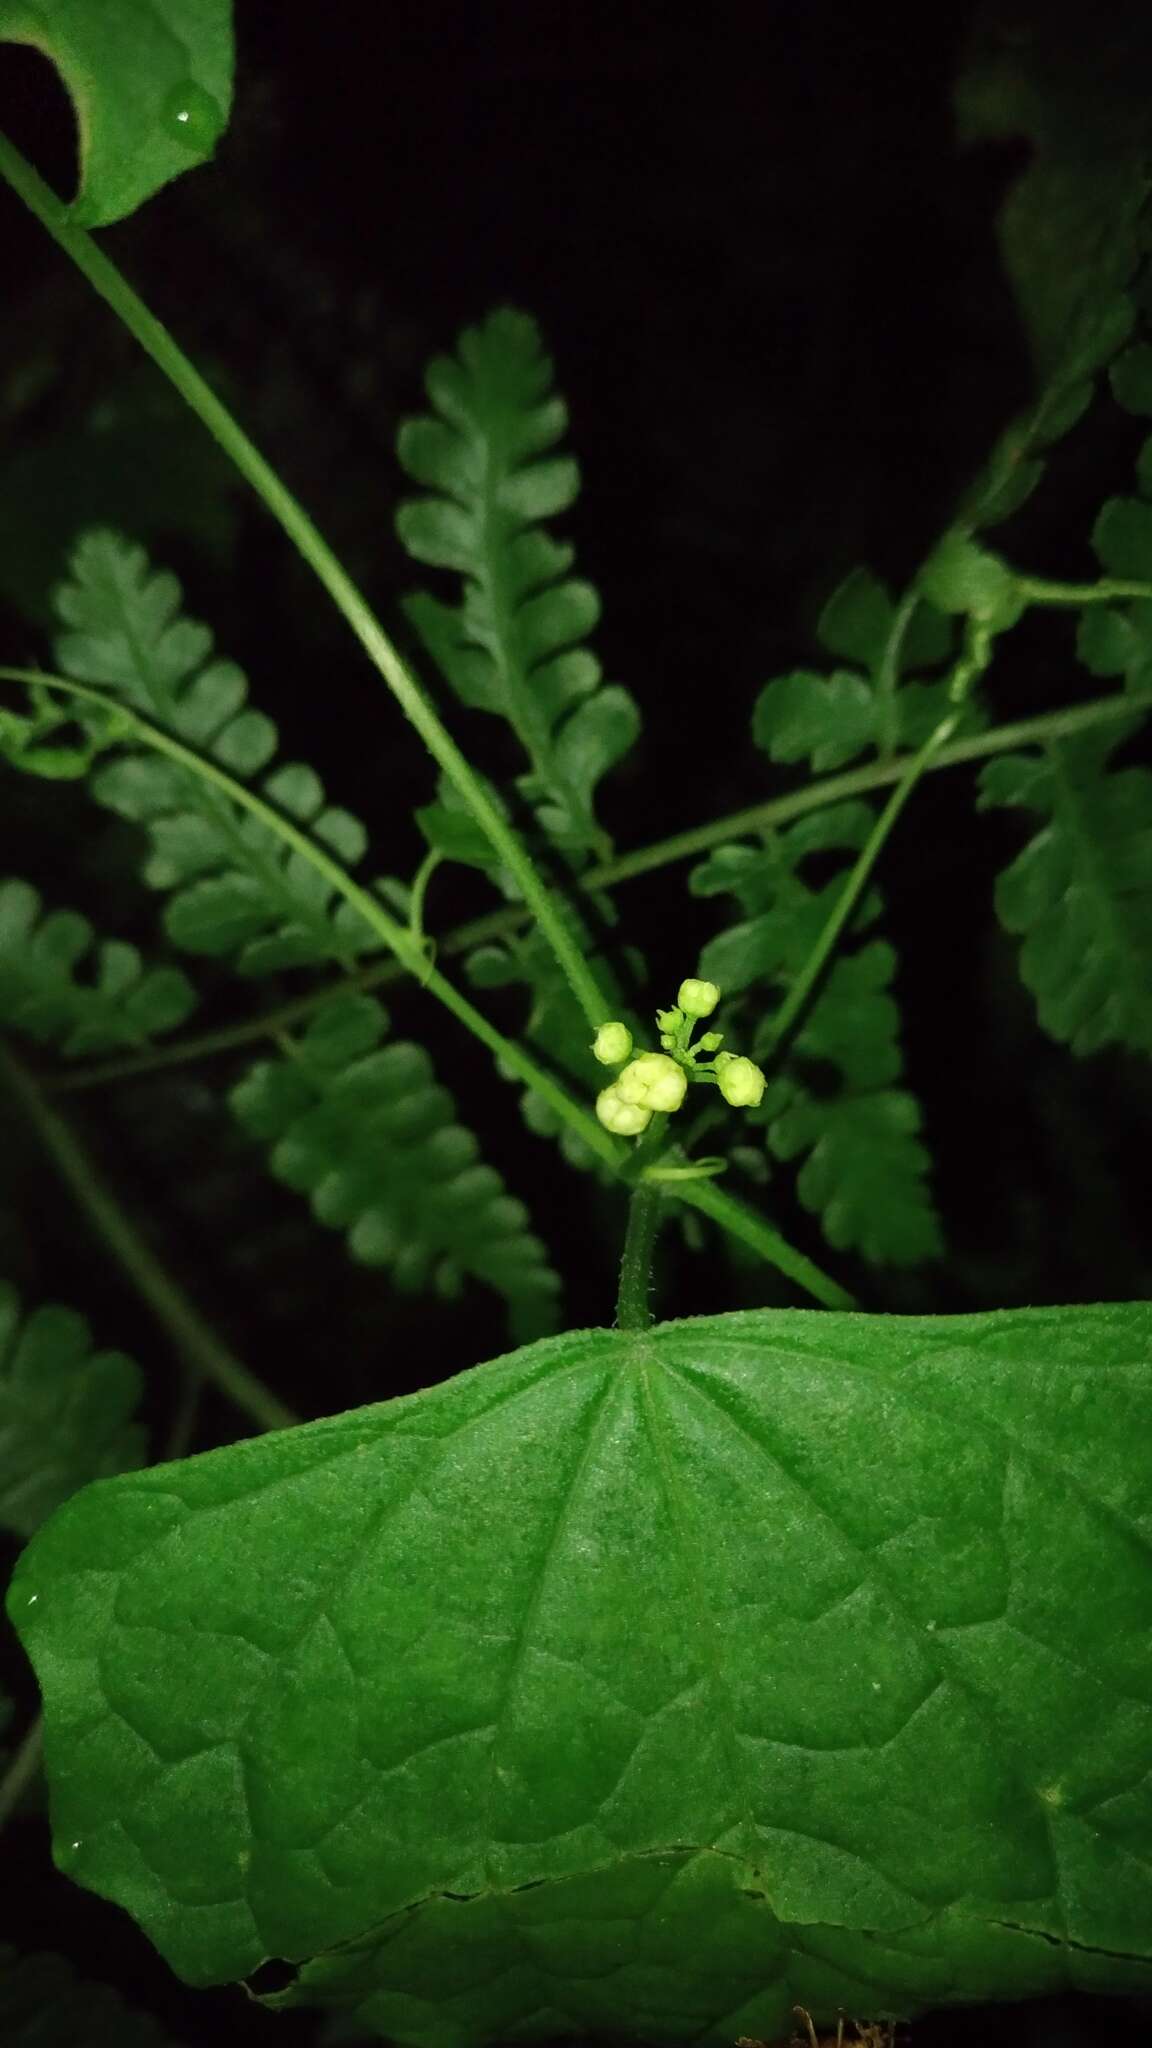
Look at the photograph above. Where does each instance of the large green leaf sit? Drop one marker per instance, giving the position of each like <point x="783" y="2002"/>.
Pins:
<point x="151" y="84"/>
<point x="664" y="1680"/>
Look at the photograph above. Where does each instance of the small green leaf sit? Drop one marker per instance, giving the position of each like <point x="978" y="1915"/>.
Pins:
<point x="151" y="84"/>
<point x="123" y="1004"/>
<point x="1131" y="377"/>
<point x="961" y="577"/>
<point x="1122" y="537"/>
<point x="865" y="1172"/>
<point x="825" y="719"/>
<point x="64" y="1412"/>
<point x="1080" y="892"/>
<point x="600" y="1686"/>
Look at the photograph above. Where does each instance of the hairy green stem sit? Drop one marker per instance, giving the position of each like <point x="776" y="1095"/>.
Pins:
<point x="496" y="924"/>
<point x="155" y="339"/>
<point x="193" y="1336"/>
<point x="633" y="1302"/>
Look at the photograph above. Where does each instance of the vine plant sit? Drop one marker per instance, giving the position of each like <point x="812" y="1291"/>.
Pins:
<point x="593" y="1689"/>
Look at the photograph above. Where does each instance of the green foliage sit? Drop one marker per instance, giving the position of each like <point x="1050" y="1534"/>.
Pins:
<point x="367" y="1132"/>
<point x="123" y="1004"/>
<point x="491" y="1683"/>
<point x="151" y="84"/>
<point x="832" y="1100"/>
<point x="1080" y="893"/>
<point x="515" y="644"/>
<point x="235" y="890"/>
<point x="43" y="2004"/>
<point x="64" y="1413"/>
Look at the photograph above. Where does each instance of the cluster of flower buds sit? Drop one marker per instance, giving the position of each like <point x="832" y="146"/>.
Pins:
<point x="658" y="1081"/>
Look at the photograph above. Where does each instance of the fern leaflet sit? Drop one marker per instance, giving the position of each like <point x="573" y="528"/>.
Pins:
<point x="515" y="644"/>
<point x="236" y="891"/>
<point x="123" y="1003"/>
<point x="365" y="1130"/>
<point x="832" y="1099"/>
<point x="64" y="1411"/>
<point x="1080" y="893"/>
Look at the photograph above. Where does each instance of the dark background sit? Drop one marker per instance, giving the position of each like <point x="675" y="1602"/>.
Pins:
<point x="770" y="281"/>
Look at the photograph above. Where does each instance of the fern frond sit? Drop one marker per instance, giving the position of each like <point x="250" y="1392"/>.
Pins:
<point x="119" y="1003"/>
<point x="514" y="645"/>
<point x="831" y="1098"/>
<point x="64" y="1411"/>
<point x="829" y="719"/>
<point x="235" y="890"/>
<point x="43" y="2004"/>
<point x="1080" y="893"/>
<point x="365" y="1130"/>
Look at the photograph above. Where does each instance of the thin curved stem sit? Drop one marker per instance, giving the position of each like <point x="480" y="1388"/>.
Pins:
<point x="794" y="1002"/>
<point x="740" y="1221"/>
<point x="408" y="949"/>
<point x="495" y="924"/>
<point x="165" y="352"/>
<point x="194" y="1337"/>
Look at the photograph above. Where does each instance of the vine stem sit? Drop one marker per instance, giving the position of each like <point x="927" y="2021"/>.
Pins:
<point x="411" y="953"/>
<point x="495" y="924"/>
<point x="797" y="996"/>
<point x="633" y="1302"/>
<point x="408" y="948"/>
<point x="166" y="353"/>
<point x="194" y="1337"/>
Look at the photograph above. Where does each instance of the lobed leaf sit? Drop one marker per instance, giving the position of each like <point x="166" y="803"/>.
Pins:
<point x="369" y="1135"/>
<point x="64" y="1411"/>
<point x="831" y="1101"/>
<point x="601" y="1685"/>
<point x="124" y="1004"/>
<point x="514" y="644"/>
<point x="235" y="890"/>
<point x="1080" y="893"/>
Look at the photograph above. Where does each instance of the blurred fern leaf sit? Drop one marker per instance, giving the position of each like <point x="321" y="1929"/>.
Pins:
<point x="831" y="1099"/>
<point x="65" y="1412"/>
<point x="365" y="1130"/>
<point x="515" y="644"/>
<point x="234" y="889"/>
<point x="1080" y="893"/>
<point x="120" y="1003"/>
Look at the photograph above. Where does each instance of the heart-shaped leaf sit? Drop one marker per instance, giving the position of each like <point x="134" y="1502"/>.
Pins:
<point x="657" y="1681"/>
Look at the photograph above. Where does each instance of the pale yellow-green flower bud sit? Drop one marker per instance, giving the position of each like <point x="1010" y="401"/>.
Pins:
<point x="653" y="1082"/>
<point x="627" y="1119"/>
<point x="741" y="1082"/>
<point x="612" y="1044"/>
<point x="698" y="998"/>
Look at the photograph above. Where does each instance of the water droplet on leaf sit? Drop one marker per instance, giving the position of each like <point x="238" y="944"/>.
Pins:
<point x="191" y="116"/>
